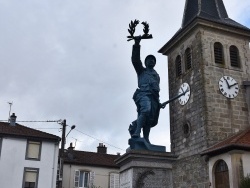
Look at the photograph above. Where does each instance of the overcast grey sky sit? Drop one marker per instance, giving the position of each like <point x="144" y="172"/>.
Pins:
<point x="69" y="59"/>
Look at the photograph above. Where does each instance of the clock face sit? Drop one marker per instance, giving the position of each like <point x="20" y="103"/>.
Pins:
<point x="228" y="87"/>
<point x="185" y="88"/>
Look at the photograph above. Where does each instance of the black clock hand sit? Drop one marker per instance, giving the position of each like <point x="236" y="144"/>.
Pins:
<point x="227" y="82"/>
<point x="183" y="92"/>
<point x="163" y="105"/>
<point x="233" y="85"/>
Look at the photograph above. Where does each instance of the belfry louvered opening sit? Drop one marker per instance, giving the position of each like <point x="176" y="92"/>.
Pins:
<point x="218" y="53"/>
<point x="188" y="59"/>
<point x="234" y="56"/>
<point x="178" y="66"/>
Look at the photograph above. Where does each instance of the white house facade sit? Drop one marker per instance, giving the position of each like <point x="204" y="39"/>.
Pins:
<point x="28" y="157"/>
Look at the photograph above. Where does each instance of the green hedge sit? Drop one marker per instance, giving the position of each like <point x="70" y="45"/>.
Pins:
<point x="245" y="182"/>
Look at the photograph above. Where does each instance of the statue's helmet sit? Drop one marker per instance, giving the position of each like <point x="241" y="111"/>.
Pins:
<point x="149" y="56"/>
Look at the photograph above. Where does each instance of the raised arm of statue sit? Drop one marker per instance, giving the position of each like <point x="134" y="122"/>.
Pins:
<point x="136" y="60"/>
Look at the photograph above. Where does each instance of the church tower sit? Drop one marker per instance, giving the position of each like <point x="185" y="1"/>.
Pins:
<point x="208" y="57"/>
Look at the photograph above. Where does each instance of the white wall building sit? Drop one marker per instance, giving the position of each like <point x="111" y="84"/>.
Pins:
<point x="28" y="157"/>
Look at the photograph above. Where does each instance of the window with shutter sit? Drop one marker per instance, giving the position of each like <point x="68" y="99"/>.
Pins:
<point x="33" y="151"/>
<point x="81" y="179"/>
<point x="30" y="178"/>
<point x="218" y="53"/>
<point x="0" y="145"/>
<point x="234" y="56"/>
<point x="178" y="66"/>
<point x="91" y="179"/>
<point x="77" y="177"/>
<point x="188" y="59"/>
<point x="114" y="180"/>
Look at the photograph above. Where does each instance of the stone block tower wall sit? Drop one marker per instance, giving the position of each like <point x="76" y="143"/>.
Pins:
<point x="194" y="112"/>
<point x="210" y="116"/>
<point x="224" y="116"/>
<point x="187" y="144"/>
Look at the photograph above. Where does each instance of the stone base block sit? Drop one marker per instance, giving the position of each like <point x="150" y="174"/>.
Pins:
<point x="146" y="169"/>
<point x="141" y="144"/>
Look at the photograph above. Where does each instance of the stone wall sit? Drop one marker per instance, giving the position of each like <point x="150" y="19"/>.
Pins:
<point x="191" y="172"/>
<point x="210" y="116"/>
<point x="194" y="112"/>
<point x="225" y="116"/>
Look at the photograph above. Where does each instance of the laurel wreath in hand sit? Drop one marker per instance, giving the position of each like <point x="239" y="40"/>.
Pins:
<point x="132" y="27"/>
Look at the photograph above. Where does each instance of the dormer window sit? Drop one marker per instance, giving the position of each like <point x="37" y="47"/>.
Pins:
<point x="188" y="59"/>
<point x="218" y="53"/>
<point x="234" y="56"/>
<point x="178" y="66"/>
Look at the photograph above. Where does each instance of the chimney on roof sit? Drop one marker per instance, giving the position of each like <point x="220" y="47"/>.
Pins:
<point x="101" y="148"/>
<point x="13" y="119"/>
<point x="71" y="148"/>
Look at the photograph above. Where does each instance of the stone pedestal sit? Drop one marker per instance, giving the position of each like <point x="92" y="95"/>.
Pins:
<point x="146" y="169"/>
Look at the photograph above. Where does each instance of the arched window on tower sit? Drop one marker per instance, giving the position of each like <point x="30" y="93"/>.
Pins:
<point x="178" y="66"/>
<point x="234" y="56"/>
<point x="218" y="53"/>
<point x="221" y="174"/>
<point x="188" y="59"/>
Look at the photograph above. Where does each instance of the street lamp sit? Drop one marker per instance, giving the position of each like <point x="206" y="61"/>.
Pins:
<point x="62" y="148"/>
<point x="72" y="127"/>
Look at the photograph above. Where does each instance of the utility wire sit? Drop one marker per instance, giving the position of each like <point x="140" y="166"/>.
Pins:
<point x="98" y="140"/>
<point x="59" y="121"/>
<point x="47" y="121"/>
<point x="46" y="128"/>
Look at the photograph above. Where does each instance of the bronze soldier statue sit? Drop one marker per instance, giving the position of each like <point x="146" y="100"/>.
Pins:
<point x="146" y="97"/>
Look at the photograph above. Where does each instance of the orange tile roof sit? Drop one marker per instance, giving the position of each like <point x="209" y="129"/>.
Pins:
<point x="90" y="159"/>
<point x="240" y="140"/>
<point x="21" y="131"/>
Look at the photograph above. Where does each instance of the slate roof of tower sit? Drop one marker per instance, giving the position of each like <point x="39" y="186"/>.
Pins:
<point x="208" y="10"/>
<point x="239" y="141"/>
<point x="213" y="10"/>
<point x="90" y="159"/>
<point x="21" y="131"/>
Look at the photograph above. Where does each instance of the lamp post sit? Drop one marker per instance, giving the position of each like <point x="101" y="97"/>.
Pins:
<point x="72" y="127"/>
<point x="62" y="150"/>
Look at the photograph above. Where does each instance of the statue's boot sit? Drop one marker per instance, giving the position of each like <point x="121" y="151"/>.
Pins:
<point x="140" y="122"/>
<point x="146" y="131"/>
